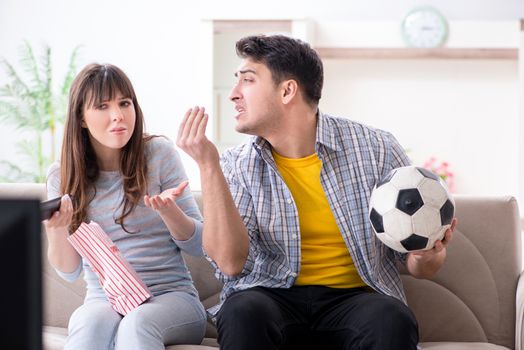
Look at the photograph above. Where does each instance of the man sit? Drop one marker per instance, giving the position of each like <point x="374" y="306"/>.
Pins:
<point x="286" y="221"/>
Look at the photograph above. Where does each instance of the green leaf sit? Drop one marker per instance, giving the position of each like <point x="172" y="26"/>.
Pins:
<point x="29" y="102"/>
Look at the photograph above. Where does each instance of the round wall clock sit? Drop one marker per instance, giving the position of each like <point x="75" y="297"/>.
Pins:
<point x="424" y="27"/>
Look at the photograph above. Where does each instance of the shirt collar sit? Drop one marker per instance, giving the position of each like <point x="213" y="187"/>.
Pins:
<point x="325" y="135"/>
<point x="326" y="132"/>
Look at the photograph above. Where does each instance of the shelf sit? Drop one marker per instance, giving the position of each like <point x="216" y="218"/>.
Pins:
<point x="414" y="53"/>
<point x="261" y="26"/>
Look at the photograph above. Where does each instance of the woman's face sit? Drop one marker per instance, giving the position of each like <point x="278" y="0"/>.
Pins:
<point x="110" y="125"/>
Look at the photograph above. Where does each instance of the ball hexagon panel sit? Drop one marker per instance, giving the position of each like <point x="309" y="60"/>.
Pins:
<point x="438" y="236"/>
<point x="397" y="224"/>
<point x="409" y="201"/>
<point x="426" y="221"/>
<point x="406" y="177"/>
<point x="433" y="193"/>
<point x="384" y="198"/>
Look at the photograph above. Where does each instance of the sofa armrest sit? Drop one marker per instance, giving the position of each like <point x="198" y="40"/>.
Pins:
<point x="519" y="321"/>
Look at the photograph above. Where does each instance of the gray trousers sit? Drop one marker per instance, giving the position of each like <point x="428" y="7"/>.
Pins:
<point x="171" y="318"/>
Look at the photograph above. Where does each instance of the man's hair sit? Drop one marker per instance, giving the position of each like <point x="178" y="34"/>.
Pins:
<point x="286" y="58"/>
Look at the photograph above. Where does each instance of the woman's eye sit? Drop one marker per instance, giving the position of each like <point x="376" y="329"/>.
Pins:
<point x="125" y="103"/>
<point x="101" y="106"/>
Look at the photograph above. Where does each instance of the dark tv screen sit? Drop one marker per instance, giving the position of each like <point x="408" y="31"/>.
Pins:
<point x="21" y="281"/>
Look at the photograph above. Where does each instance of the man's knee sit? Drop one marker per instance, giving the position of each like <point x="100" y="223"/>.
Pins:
<point x="247" y="308"/>
<point x="249" y="319"/>
<point x="395" y="323"/>
<point x="395" y="315"/>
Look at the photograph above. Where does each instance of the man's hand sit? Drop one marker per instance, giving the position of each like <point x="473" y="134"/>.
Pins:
<point x="424" y="264"/>
<point x="166" y="199"/>
<point x="192" y="138"/>
<point x="224" y="238"/>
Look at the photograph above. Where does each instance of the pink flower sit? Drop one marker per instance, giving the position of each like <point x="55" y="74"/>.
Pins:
<point x="441" y="169"/>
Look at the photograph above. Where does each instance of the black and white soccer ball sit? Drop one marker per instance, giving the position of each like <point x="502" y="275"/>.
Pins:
<point x="410" y="209"/>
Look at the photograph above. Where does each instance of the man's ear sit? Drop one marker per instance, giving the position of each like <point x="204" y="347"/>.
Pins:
<point x="289" y="90"/>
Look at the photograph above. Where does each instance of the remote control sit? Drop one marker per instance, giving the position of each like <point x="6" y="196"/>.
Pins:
<point x="47" y="208"/>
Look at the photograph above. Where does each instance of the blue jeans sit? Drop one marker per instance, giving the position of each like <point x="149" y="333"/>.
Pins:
<point x="171" y="318"/>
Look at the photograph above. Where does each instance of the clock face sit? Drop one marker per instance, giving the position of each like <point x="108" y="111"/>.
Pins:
<point x="424" y="28"/>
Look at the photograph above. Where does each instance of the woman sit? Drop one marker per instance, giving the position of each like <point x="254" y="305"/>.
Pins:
<point x="134" y="187"/>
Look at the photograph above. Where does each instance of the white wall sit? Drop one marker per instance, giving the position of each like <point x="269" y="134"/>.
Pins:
<point x="463" y="112"/>
<point x="158" y="43"/>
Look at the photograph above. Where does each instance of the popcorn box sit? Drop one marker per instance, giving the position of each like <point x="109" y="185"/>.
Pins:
<point x="120" y="282"/>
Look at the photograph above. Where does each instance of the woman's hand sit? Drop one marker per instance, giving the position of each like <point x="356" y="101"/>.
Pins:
<point x="60" y="252"/>
<point x="178" y="223"/>
<point x="61" y="219"/>
<point x="166" y="199"/>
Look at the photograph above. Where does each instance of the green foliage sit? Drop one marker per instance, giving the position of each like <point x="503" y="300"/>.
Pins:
<point x="34" y="107"/>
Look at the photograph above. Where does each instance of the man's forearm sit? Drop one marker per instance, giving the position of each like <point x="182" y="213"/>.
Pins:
<point x="225" y="238"/>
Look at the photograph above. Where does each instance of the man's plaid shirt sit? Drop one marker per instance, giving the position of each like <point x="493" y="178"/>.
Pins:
<point x="354" y="157"/>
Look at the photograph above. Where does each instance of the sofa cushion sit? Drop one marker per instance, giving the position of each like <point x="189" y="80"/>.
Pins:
<point x="461" y="346"/>
<point x="54" y="338"/>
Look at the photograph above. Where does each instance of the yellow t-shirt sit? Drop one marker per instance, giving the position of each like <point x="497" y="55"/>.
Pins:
<point x="325" y="259"/>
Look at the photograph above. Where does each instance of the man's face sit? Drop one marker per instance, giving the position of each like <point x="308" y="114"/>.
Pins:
<point x="256" y="99"/>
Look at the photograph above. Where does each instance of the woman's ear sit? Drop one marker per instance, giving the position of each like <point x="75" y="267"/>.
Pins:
<point x="83" y="123"/>
<point x="289" y="90"/>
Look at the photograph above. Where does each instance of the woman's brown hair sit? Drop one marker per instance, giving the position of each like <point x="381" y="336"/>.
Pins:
<point x="78" y="165"/>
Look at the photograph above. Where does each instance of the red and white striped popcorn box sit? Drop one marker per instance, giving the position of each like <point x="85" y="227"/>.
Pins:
<point x="124" y="289"/>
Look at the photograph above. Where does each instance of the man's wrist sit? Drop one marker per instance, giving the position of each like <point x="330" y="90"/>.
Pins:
<point x="210" y="167"/>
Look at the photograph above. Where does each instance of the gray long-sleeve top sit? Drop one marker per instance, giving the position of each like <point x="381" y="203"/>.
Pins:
<point x="152" y="251"/>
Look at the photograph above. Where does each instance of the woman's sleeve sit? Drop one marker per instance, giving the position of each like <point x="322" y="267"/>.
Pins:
<point x="172" y="173"/>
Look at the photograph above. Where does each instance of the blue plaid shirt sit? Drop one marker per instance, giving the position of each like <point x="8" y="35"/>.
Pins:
<point x="354" y="157"/>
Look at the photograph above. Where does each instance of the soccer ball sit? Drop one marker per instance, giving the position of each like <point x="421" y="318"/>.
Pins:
<point x="410" y="209"/>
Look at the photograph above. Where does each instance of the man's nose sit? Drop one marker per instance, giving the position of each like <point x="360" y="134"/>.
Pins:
<point x="234" y="94"/>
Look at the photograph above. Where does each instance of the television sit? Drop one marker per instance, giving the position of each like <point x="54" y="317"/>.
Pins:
<point x="20" y="266"/>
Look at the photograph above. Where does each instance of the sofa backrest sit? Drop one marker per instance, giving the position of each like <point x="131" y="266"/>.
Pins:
<point x="472" y="298"/>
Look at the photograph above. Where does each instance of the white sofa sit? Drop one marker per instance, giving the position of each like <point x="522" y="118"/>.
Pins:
<point x="474" y="302"/>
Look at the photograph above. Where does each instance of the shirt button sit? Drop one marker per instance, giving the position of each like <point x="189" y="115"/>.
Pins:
<point x="294" y="236"/>
<point x="289" y="201"/>
<point x="293" y="274"/>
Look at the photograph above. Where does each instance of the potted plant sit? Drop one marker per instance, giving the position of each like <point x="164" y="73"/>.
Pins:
<point x="35" y="106"/>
